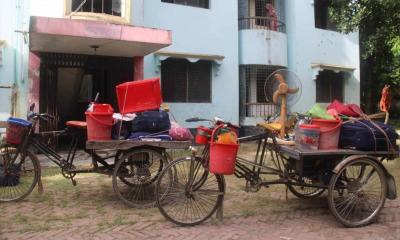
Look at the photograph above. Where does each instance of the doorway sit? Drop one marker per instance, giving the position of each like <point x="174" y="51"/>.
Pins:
<point x="69" y="82"/>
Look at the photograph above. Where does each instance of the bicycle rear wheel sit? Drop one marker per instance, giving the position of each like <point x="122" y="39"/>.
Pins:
<point x="135" y="174"/>
<point x="186" y="193"/>
<point x="18" y="174"/>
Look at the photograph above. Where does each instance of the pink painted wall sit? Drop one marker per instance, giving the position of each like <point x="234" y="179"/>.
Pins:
<point x="34" y="79"/>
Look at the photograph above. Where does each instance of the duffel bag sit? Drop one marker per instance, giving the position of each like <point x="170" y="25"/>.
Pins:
<point x="364" y="135"/>
<point x="151" y="121"/>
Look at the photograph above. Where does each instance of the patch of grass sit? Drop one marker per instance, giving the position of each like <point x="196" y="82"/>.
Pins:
<point x="117" y="221"/>
<point x="21" y="219"/>
<point x="36" y="227"/>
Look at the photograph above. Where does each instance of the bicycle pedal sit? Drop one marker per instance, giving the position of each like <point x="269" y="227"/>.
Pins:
<point x="73" y="182"/>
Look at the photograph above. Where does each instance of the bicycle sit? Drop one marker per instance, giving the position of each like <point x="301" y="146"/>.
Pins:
<point x="187" y="193"/>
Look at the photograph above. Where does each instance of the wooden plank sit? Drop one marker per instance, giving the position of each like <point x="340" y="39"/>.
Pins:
<point x="127" y="144"/>
<point x="299" y="154"/>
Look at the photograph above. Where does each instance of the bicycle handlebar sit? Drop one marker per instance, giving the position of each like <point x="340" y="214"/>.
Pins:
<point x="43" y="116"/>
<point x="216" y="121"/>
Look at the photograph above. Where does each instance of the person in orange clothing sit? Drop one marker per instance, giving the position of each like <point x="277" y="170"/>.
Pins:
<point x="385" y="102"/>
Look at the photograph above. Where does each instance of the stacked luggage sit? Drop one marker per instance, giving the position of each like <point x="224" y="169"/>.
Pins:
<point x="141" y="116"/>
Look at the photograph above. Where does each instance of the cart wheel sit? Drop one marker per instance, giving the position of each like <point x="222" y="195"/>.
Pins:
<point x="305" y="192"/>
<point x="18" y="175"/>
<point x="135" y="174"/>
<point x="186" y="193"/>
<point x="357" y="192"/>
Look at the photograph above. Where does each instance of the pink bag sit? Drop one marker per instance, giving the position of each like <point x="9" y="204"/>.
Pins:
<point x="350" y="110"/>
<point x="179" y="133"/>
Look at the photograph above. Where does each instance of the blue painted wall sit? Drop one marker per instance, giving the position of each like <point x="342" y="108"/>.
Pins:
<point x="14" y="15"/>
<point x="308" y="45"/>
<point x="211" y="31"/>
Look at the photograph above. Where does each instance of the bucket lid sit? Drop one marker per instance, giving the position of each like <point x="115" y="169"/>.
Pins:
<point x="326" y="120"/>
<point x="309" y="126"/>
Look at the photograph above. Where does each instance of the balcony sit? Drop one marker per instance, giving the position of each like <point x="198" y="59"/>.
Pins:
<point x="265" y="23"/>
<point x="260" y="109"/>
<point x="262" y="40"/>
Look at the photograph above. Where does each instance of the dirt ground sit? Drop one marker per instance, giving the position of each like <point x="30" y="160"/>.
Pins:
<point x="91" y="210"/>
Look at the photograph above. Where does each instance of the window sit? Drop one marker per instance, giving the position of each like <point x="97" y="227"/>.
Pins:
<point x="329" y="86"/>
<point x="112" y="7"/>
<point x="321" y="15"/>
<point x="193" y="3"/>
<point x="183" y="81"/>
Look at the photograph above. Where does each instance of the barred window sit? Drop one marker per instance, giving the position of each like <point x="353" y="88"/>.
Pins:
<point x="192" y="3"/>
<point x="112" y="7"/>
<point x="183" y="81"/>
<point x="321" y="15"/>
<point x="329" y="86"/>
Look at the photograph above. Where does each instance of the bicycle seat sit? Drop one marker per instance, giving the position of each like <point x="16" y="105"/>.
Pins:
<point x="76" y="124"/>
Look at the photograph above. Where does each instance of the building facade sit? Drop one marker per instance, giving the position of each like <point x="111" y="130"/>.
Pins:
<point x="213" y="58"/>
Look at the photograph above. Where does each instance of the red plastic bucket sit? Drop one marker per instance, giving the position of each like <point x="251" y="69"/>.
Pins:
<point x="99" y="122"/>
<point x="222" y="156"/>
<point x="329" y="133"/>
<point x="203" y="135"/>
<point x="139" y="95"/>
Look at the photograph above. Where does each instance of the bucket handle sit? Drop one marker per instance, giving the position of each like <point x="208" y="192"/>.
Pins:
<point x="101" y="122"/>
<point x="215" y="131"/>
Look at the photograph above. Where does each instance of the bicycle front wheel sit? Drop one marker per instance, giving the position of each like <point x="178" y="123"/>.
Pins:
<point x="19" y="174"/>
<point x="186" y="193"/>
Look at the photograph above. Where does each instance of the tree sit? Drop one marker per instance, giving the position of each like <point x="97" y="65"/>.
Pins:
<point x="378" y="22"/>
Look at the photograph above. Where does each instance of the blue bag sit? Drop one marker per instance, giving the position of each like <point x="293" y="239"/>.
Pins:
<point x="151" y="121"/>
<point x="365" y="136"/>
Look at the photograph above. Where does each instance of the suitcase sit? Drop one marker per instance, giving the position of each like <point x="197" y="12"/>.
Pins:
<point x="363" y="135"/>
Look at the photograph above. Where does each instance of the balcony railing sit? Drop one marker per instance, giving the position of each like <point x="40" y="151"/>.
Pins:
<point x="262" y="23"/>
<point x="260" y="109"/>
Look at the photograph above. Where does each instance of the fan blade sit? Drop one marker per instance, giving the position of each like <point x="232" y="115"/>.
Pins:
<point x="292" y="90"/>
<point x="275" y="97"/>
<point x="279" y="77"/>
<point x="283" y="88"/>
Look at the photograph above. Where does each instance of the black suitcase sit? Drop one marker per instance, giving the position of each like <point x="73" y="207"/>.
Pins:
<point x="363" y="135"/>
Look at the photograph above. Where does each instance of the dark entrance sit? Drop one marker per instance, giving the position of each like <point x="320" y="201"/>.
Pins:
<point x="68" y="82"/>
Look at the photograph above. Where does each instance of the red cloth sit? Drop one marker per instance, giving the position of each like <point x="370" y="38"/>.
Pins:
<point x="385" y="99"/>
<point x="350" y="110"/>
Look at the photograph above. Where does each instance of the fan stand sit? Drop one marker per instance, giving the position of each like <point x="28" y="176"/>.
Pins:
<point x="283" y="90"/>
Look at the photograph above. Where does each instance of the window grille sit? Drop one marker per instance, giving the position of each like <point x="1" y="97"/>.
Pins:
<point x="183" y="81"/>
<point x="329" y="86"/>
<point x="253" y="99"/>
<point x="112" y="7"/>
<point x="192" y="3"/>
